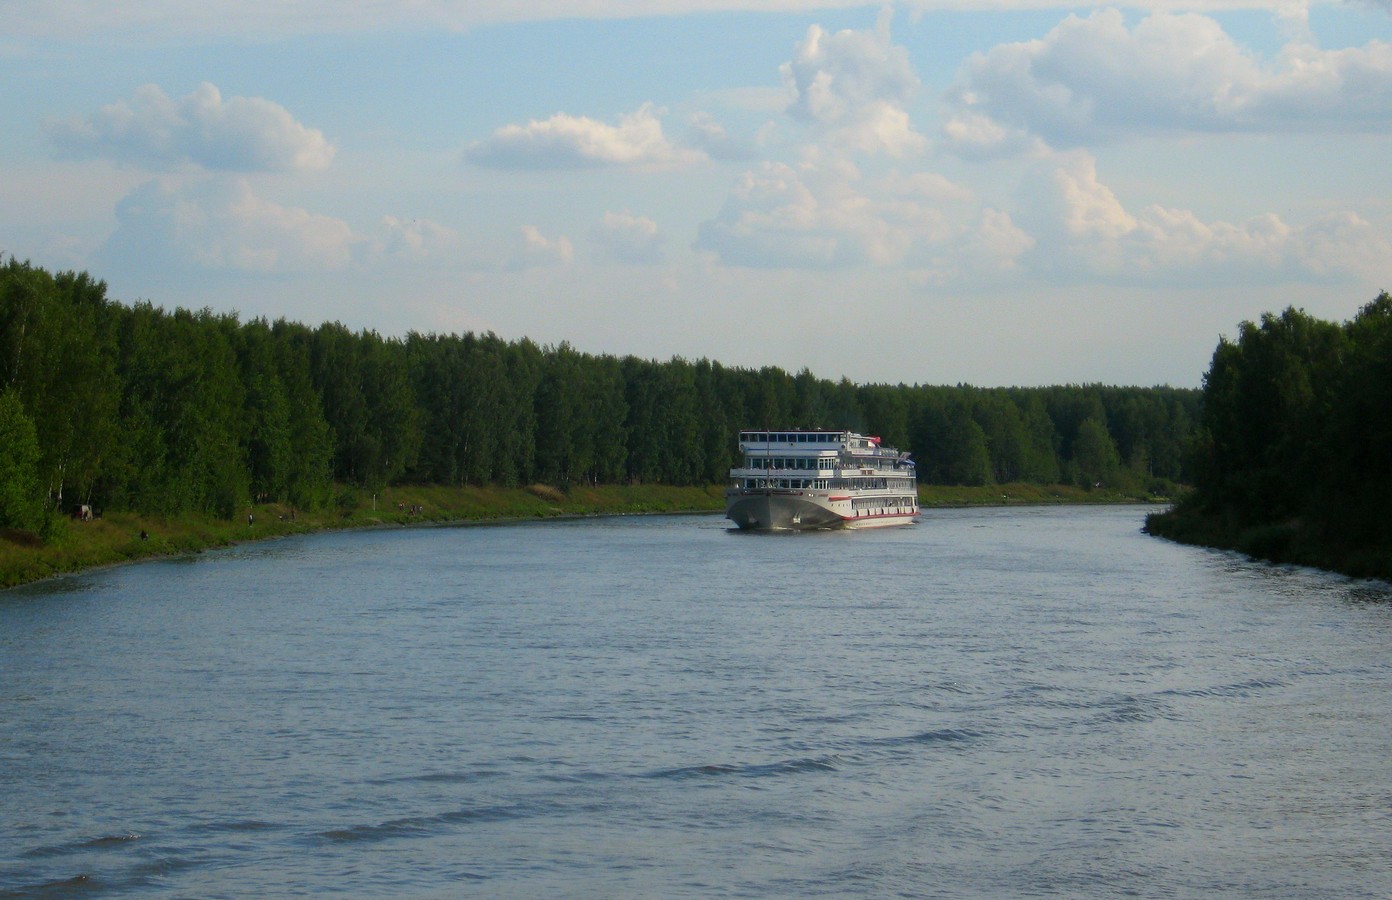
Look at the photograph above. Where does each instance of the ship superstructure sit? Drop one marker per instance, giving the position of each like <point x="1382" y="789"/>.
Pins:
<point x="820" y="479"/>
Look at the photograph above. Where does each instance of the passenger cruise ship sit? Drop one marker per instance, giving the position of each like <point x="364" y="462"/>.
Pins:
<point x="820" y="479"/>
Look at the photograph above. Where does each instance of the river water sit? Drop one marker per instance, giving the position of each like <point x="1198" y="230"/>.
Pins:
<point x="992" y="703"/>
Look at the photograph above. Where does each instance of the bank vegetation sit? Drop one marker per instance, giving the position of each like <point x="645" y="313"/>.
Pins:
<point x="1291" y="459"/>
<point x="129" y="410"/>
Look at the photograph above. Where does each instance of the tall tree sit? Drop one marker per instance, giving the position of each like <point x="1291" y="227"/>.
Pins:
<point x="21" y="500"/>
<point x="1095" y="454"/>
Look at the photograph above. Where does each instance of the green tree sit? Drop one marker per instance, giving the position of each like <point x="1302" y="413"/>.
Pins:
<point x="309" y="477"/>
<point x="1095" y="454"/>
<point x="1040" y="463"/>
<point x="1007" y="440"/>
<point x="950" y="445"/>
<point x="21" y="501"/>
<point x="1267" y="399"/>
<point x="56" y="353"/>
<point x="1354" y="482"/>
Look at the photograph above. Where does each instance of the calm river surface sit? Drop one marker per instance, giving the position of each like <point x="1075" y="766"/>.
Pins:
<point x="994" y="703"/>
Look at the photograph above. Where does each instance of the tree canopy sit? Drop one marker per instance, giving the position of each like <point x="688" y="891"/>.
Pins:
<point x="135" y="407"/>
<point x="1290" y="461"/>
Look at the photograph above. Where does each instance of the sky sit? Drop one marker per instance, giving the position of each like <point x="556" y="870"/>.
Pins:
<point x="993" y="192"/>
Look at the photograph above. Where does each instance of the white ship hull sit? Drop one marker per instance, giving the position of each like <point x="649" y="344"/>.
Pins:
<point x="776" y="510"/>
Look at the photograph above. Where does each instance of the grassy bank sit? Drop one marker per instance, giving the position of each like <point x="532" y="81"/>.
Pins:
<point x="943" y="496"/>
<point x="116" y="537"/>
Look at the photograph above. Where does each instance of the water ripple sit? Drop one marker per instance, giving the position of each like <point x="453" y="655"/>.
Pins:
<point x="1238" y="689"/>
<point x="421" y="826"/>
<point x="829" y="763"/>
<point x="105" y="842"/>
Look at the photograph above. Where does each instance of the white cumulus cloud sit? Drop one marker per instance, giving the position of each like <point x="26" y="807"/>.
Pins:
<point x="564" y="141"/>
<point x="1083" y="230"/>
<point x="1095" y="78"/>
<point x="707" y="135"/>
<point x="532" y="250"/>
<point x="855" y="85"/>
<point x="418" y="240"/>
<point x="626" y="238"/>
<point x="221" y="224"/>
<point x="153" y="130"/>
<point x="824" y="214"/>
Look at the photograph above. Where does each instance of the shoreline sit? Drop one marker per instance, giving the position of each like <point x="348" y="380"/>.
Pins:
<point x="1289" y="543"/>
<point x="115" y="539"/>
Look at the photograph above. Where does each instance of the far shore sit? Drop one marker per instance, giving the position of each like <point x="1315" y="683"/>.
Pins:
<point x="120" y="537"/>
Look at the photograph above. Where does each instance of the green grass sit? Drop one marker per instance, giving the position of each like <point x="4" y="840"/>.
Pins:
<point x="942" y="495"/>
<point x="115" y="538"/>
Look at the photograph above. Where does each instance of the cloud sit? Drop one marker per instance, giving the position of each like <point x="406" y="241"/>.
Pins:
<point x="220" y="224"/>
<point x="972" y="135"/>
<point x="625" y="238"/>
<point x="569" y="142"/>
<point x="1066" y="226"/>
<point x="240" y="134"/>
<point x="710" y="137"/>
<point x="824" y="214"/>
<point x="1092" y="79"/>
<point x="854" y="86"/>
<point x="417" y="240"/>
<point x="532" y="250"/>
<point x="1084" y="231"/>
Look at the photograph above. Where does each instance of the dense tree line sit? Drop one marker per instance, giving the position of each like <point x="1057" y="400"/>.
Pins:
<point x="133" y="407"/>
<point x="1291" y="459"/>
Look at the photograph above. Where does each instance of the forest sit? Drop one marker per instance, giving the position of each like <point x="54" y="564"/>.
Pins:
<point x="136" y="408"/>
<point x="1291" y="459"/>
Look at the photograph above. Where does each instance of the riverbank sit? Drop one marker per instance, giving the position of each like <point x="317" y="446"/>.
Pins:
<point x="126" y="537"/>
<point x="1292" y="542"/>
<point x="944" y="496"/>
<point x="117" y="537"/>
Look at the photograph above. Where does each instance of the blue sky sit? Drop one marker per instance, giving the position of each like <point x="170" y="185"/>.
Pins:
<point x="1009" y="192"/>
